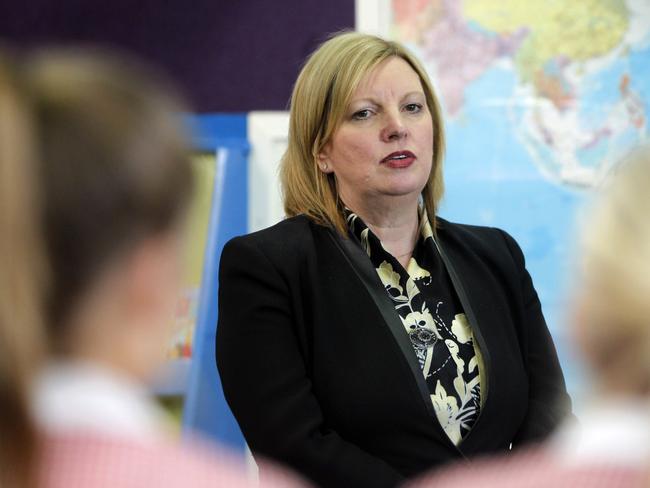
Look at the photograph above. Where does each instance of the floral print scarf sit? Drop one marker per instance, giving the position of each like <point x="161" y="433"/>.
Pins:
<point x="442" y="339"/>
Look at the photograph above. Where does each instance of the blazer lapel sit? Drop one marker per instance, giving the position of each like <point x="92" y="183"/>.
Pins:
<point x="460" y="289"/>
<point x="363" y="268"/>
<point x="464" y="293"/>
<point x="358" y="260"/>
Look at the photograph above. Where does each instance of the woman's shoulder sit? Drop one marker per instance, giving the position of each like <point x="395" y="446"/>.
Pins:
<point x="296" y="226"/>
<point x="288" y="238"/>
<point x="477" y="235"/>
<point x="490" y="244"/>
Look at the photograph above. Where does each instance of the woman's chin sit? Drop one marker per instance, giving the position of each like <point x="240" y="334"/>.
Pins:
<point x="404" y="189"/>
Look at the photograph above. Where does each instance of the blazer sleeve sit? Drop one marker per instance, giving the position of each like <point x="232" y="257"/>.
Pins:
<point x="548" y="401"/>
<point x="265" y="379"/>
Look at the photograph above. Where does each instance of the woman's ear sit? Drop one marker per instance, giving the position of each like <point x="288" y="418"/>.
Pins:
<point x="323" y="160"/>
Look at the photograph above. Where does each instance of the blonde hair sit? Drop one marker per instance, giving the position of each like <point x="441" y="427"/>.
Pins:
<point x="21" y="285"/>
<point x="318" y="104"/>
<point x="615" y="306"/>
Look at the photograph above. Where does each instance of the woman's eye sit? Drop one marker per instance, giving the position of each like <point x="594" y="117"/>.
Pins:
<point x="361" y="114"/>
<point x="413" y="107"/>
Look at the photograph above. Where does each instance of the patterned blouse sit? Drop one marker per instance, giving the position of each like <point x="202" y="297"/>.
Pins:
<point x="442" y="339"/>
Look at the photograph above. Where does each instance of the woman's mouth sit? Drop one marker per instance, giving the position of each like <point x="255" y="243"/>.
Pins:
<point x="399" y="159"/>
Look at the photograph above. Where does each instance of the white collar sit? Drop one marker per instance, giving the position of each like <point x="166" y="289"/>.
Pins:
<point x="84" y="396"/>
<point x="611" y="432"/>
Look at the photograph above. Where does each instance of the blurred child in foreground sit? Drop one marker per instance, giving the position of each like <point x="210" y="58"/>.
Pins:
<point x="95" y="182"/>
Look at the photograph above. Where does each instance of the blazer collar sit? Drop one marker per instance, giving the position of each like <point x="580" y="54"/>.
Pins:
<point x="452" y="260"/>
<point x="358" y="260"/>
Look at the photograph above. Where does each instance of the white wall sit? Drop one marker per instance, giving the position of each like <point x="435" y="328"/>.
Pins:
<point x="267" y="135"/>
<point x="372" y="16"/>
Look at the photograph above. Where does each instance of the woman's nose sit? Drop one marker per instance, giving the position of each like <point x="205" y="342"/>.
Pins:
<point x="394" y="129"/>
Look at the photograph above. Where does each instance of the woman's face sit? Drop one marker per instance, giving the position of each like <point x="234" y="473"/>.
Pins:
<point x="384" y="145"/>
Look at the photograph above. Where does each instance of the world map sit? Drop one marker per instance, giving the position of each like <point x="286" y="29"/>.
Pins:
<point x="541" y="98"/>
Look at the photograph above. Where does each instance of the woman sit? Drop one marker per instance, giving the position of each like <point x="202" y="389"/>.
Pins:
<point x="610" y="448"/>
<point x="365" y="339"/>
<point x="96" y="181"/>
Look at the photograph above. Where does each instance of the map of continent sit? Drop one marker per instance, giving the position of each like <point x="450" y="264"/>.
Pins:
<point x="578" y="102"/>
<point x="540" y="98"/>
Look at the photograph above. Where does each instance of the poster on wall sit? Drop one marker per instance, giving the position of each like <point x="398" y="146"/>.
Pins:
<point x="185" y="318"/>
<point x="540" y="99"/>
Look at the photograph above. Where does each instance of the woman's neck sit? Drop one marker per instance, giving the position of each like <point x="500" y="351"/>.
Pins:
<point x="394" y="222"/>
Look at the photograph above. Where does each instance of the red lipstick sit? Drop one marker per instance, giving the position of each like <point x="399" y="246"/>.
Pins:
<point x="399" y="159"/>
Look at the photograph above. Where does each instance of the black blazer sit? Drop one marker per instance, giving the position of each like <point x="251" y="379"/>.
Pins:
<point x="319" y="371"/>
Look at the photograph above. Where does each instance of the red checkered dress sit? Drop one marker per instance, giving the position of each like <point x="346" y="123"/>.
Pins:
<point x="94" y="461"/>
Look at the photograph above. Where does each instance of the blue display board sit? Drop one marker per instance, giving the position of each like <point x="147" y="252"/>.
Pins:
<point x="205" y="409"/>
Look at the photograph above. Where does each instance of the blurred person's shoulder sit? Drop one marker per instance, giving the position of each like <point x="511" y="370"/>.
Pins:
<point x="535" y="467"/>
<point x="89" y="460"/>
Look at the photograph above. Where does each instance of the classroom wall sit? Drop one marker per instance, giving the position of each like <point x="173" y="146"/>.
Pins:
<point x="228" y="55"/>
